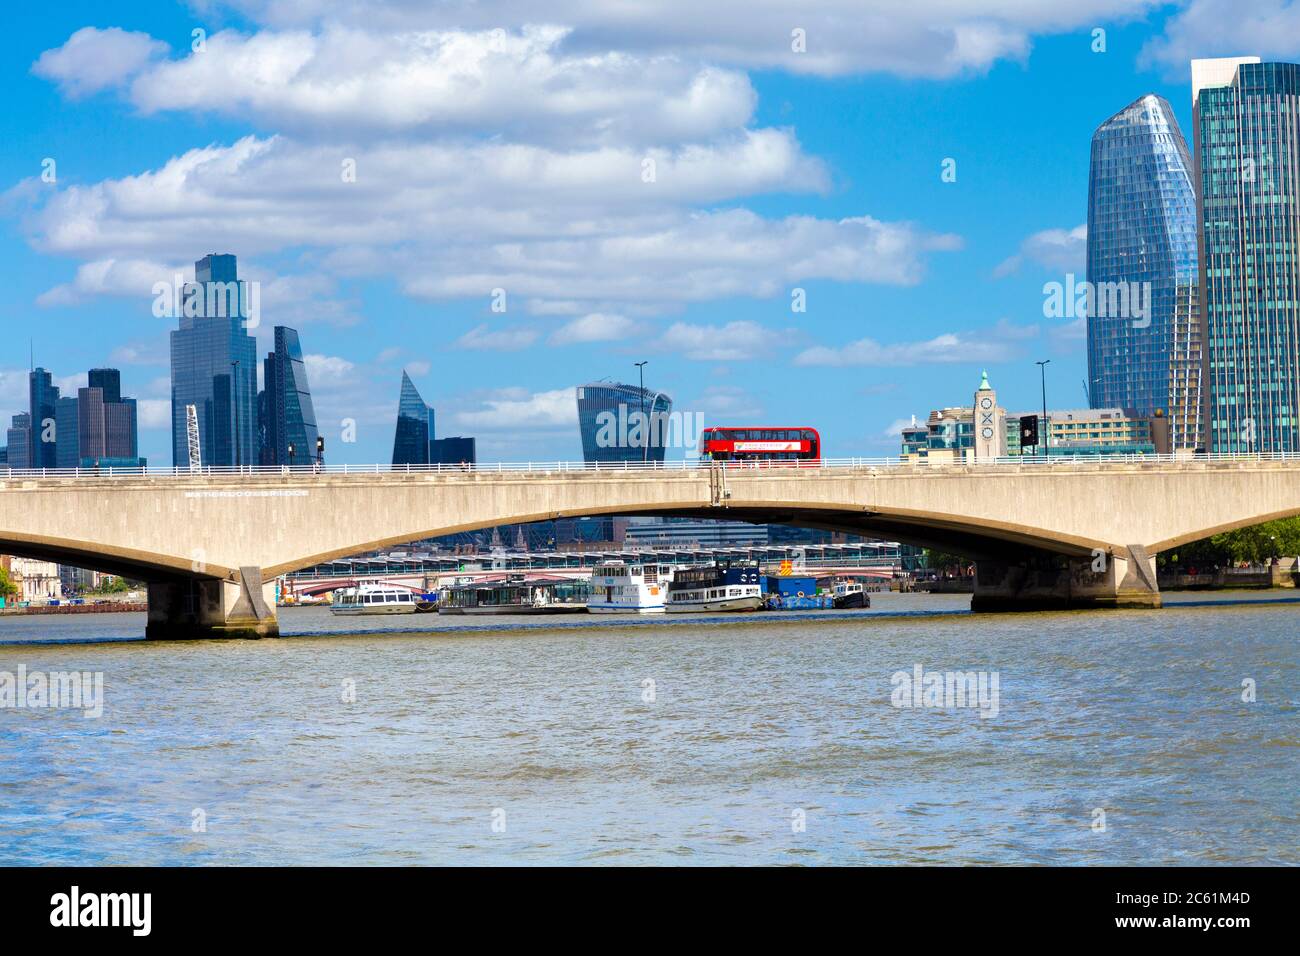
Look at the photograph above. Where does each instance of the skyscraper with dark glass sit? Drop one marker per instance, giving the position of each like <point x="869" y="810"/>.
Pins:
<point x="286" y="416"/>
<point x="214" y="369"/>
<point x="1144" y="338"/>
<point x="19" y="438"/>
<point x="415" y="422"/>
<point x="98" y="427"/>
<point x="44" y="395"/>
<point x="1247" y="123"/>
<point x="621" y="423"/>
<point x="452" y="451"/>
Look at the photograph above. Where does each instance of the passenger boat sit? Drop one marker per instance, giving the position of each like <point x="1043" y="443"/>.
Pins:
<point x="620" y="588"/>
<point x="517" y="595"/>
<point x="372" y="599"/>
<point x="720" y="587"/>
<point x="849" y="594"/>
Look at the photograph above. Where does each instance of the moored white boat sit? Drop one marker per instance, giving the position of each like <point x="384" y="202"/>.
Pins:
<point x="621" y="588"/>
<point x="372" y="599"/>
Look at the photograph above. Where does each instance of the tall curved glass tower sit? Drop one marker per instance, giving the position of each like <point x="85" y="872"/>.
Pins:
<point x="1144" y="338"/>
<point x="609" y="431"/>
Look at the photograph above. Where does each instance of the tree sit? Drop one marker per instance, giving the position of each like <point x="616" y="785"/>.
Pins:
<point x="7" y="586"/>
<point x="945" y="561"/>
<point x="1256" y="544"/>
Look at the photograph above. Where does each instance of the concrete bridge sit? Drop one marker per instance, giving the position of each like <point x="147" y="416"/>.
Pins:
<point x="1055" y="533"/>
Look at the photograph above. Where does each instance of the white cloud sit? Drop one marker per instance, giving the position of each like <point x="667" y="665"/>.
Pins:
<point x="545" y="225"/>
<point x="596" y="327"/>
<point x="154" y="413"/>
<point x="517" y="411"/>
<point x="93" y="59"/>
<point x="440" y="82"/>
<point x="1269" y="29"/>
<point x="327" y="370"/>
<point x="1059" y="250"/>
<point x="730" y="401"/>
<point x="501" y="340"/>
<point x="895" y="428"/>
<point x="735" y="341"/>
<point x="128" y="278"/>
<point x="949" y="348"/>
<point x="923" y="38"/>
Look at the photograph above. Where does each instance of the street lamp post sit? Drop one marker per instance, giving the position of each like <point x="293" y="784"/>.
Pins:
<point x="1043" y="439"/>
<point x="645" y="425"/>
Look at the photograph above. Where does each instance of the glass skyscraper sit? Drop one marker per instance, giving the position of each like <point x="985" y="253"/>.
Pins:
<point x="610" y="433"/>
<point x="452" y="451"/>
<point x="414" y="426"/>
<point x="19" y="437"/>
<point x="97" y="426"/>
<point x="44" y="395"/>
<point x="1144" y="338"/>
<point x="1247" y="123"/>
<point x="286" y="415"/>
<point x="214" y="368"/>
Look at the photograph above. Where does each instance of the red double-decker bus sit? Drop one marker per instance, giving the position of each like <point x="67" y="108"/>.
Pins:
<point x="760" y="443"/>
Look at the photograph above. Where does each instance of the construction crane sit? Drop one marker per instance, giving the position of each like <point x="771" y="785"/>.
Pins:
<point x="192" y="432"/>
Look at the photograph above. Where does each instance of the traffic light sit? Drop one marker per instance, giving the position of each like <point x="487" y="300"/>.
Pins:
<point x="1028" y="431"/>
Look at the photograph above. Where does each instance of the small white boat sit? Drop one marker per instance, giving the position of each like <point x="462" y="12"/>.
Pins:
<point x="373" y="599"/>
<point x="620" y="588"/>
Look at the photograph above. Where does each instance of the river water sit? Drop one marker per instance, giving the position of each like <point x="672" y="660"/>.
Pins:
<point x="1117" y="737"/>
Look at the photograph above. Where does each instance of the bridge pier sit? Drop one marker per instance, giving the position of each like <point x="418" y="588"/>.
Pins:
<point x="205" y="608"/>
<point x="1119" y="579"/>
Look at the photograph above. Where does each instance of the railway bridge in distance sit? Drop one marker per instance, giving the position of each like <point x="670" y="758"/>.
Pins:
<point x="1055" y="533"/>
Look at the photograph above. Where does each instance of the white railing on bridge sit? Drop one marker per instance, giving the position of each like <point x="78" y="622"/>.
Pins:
<point x="565" y="467"/>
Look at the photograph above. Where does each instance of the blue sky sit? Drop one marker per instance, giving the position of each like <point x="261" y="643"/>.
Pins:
<point x="494" y="151"/>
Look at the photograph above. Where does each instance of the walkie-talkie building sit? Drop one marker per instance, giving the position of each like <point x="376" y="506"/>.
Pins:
<point x="1247" y="117"/>
<point x="1144" y="338"/>
<point x="610" y="433"/>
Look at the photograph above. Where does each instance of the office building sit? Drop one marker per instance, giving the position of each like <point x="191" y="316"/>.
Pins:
<point x="19" y="441"/>
<point x="1247" y="132"/>
<point x="44" y="397"/>
<point x="415" y="426"/>
<point x="213" y="364"/>
<point x="622" y="423"/>
<point x="286" y="415"/>
<point x="962" y="433"/>
<point x="1144" y="330"/>
<point x="452" y="451"/>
